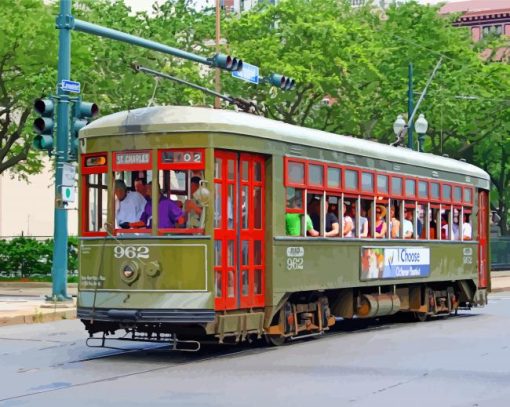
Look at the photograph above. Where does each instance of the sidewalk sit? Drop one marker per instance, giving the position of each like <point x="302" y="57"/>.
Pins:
<point x="25" y="303"/>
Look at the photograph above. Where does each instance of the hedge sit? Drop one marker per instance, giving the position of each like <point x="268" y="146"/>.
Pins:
<point x="26" y="257"/>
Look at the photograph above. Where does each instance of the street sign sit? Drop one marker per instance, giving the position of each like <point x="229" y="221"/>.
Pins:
<point x="249" y="73"/>
<point x="70" y="86"/>
<point x="68" y="174"/>
<point x="67" y="194"/>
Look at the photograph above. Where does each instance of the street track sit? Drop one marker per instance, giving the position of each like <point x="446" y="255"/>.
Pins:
<point x="162" y="354"/>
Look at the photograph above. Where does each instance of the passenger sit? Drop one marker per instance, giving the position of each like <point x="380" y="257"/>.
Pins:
<point x="169" y="213"/>
<point x="332" y="227"/>
<point x="467" y="230"/>
<point x="362" y="229"/>
<point x="347" y="224"/>
<point x="129" y="205"/>
<point x="380" y="223"/>
<point x="140" y="185"/>
<point x="444" y="227"/>
<point x="408" y="224"/>
<point x="455" y="227"/>
<point x="394" y="224"/>
<point x="293" y="222"/>
<point x="193" y="206"/>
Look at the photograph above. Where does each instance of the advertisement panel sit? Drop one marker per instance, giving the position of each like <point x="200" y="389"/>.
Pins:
<point x="394" y="262"/>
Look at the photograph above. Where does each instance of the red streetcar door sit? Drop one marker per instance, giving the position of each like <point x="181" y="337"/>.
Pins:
<point x="483" y="222"/>
<point x="251" y="227"/>
<point x="239" y="219"/>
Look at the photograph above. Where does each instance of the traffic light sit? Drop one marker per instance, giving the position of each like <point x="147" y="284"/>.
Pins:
<point x="227" y="62"/>
<point x="44" y="124"/>
<point x="281" y="81"/>
<point x="82" y="112"/>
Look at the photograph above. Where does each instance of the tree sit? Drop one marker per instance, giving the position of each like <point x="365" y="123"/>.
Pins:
<point x="27" y="70"/>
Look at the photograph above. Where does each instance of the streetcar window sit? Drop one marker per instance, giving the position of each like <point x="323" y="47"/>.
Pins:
<point x="456" y="225"/>
<point x="396" y="186"/>
<point x="434" y="190"/>
<point x="97" y="202"/>
<point x="409" y="221"/>
<point x="394" y="223"/>
<point x="132" y="189"/>
<point x="347" y="224"/>
<point x="188" y="195"/>
<point x="468" y="196"/>
<point x="294" y="198"/>
<point x="367" y="182"/>
<point x="351" y="180"/>
<point x="457" y="194"/>
<point x="296" y="173"/>
<point x="447" y="193"/>
<point x="315" y="174"/>
<point x="410" y="188"/>
<point x="423" y="190"/>
<point x="422" y="221"/>
<point x="467" y="227"/>
<point x="382" y="184"/>
<point x="360" y="217"/>
<point x="334" y="177"/>
<point x="435" y="223"/>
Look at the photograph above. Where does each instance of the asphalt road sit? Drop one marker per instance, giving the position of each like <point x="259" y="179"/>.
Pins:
<point x="460" y="361"/>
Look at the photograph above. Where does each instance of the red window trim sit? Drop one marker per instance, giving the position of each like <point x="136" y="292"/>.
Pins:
<point x="178" y="231"/>
<point x="131" y="167"/>
<point x="181" y="165"/>
<point x="100" y="169"/>
<point x="288" y="160"/>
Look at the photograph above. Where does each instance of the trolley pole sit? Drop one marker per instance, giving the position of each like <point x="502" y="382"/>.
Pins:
<point x="64" y="23"/>
<point x="410" y="107"/>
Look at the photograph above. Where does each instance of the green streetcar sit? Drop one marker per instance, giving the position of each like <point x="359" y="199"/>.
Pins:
<point x="245" y="260"/>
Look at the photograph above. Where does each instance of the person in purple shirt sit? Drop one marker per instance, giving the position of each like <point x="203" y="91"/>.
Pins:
<point x="170" y="215"/>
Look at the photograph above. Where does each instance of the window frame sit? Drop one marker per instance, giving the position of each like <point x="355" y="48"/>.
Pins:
<point x="85" y="204"/>
<point x="334" y="189"/>
<point x="356" y="191"/>
<point x="287" y="182"/>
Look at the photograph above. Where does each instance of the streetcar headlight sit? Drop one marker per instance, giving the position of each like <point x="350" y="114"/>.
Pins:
<point x="129" y="272"/>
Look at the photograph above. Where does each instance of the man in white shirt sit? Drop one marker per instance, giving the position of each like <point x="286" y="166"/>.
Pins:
<point x="408" y="224"/>
<point x="467" y="230"/>
<point x="130" y="205"/>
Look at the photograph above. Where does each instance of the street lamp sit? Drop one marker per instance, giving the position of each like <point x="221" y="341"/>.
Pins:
<point x="421" y="125"/>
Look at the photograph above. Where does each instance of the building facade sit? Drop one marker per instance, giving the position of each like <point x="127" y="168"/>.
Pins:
<point x="483" y="17"/>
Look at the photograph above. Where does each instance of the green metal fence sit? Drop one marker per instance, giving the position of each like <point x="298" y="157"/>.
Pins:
<point x="500" y="253"/>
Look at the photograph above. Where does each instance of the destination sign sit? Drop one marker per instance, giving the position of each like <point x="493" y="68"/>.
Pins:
<point x="130" y="158"/>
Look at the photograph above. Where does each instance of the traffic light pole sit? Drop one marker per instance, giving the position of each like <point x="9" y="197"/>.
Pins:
<point x="59" y="270"/>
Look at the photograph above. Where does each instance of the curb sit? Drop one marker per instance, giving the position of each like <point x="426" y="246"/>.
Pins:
<point x="39" y="317"/>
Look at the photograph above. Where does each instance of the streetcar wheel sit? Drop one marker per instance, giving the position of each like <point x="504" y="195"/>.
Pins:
<point x="420" y="316"/>
<point x="275" y="340"/>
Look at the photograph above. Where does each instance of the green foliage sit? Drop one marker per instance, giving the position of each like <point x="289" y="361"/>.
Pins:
<point x="28" y="257"/>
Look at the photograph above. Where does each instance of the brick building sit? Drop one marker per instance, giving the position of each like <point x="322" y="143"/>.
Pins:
<point x="482" y="16"/>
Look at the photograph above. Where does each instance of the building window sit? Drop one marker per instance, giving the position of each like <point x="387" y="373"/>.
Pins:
<point x="496" y="29"/>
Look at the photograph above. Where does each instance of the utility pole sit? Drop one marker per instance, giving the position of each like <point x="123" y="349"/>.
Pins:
<point x="217" y="78"/>
<point x="59" y="269"/>
<point x="410" y="107"/>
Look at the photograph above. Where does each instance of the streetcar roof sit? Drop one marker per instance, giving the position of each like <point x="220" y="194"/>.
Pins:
<point x="179" y="119"/>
